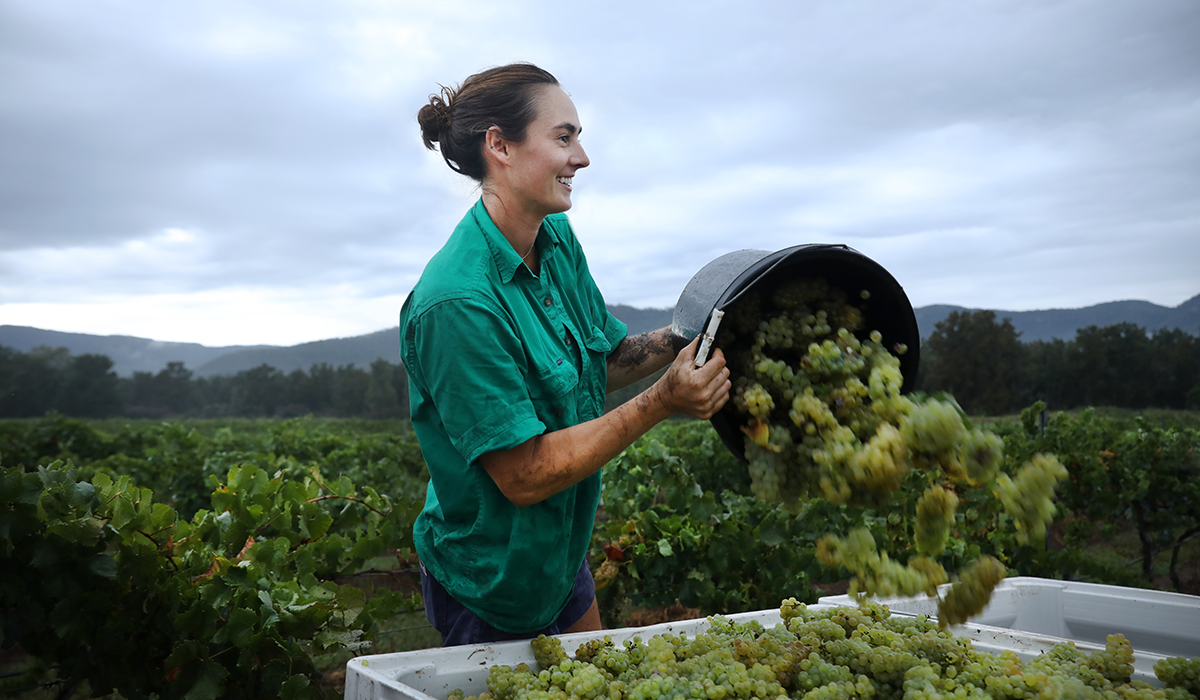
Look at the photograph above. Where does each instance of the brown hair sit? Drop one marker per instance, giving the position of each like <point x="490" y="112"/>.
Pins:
<point x="458" y="118"/>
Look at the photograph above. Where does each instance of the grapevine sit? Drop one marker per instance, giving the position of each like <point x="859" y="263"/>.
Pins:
<point x="836" y="653"/>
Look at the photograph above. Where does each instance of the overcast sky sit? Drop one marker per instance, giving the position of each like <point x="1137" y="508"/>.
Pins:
<point x="252" y="172"/>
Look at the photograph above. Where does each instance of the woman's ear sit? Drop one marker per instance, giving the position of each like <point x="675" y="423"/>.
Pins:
<point x="496" y="144"/>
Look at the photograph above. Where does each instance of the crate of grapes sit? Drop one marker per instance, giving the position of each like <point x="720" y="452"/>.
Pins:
<point x="846" y="650"/>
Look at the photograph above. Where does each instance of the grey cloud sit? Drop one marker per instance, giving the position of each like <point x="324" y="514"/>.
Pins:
<point x="1068" y="128"/>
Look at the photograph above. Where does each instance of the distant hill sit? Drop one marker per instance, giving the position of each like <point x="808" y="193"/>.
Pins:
<point x="131" y="354"/>
<point x="641" y="320"/>
<point x="1063" y="323"/>
<point x="359" y="350"/>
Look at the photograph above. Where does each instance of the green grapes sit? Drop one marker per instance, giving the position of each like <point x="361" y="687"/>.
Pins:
<point x="830" y="653"/>
<point x="1029" y="498"/>
<point x="548" y="651"/>
<point x="935" y="517"/>
<point x="874" y="573"/>
<point x="817" y="395"/>
<point x="1116" y="661"/>
<point x="1178" y="672"/>
<point x="758" y="400"/>
<point x="805" y="369"/>
<point x="970" y="593"/>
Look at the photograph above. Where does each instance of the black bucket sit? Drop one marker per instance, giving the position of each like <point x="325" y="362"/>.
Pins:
<point x="721" y="281"/>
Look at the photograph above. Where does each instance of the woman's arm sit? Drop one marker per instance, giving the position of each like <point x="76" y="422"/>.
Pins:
<point x="545" y="465"/>
<point x="637" y="357"/>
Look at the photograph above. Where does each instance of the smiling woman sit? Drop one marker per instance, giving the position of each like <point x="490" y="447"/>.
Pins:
<point x="510" y="350"/>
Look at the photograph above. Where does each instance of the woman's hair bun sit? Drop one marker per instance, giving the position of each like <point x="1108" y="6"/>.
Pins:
<point x="434" y="118"/>
<point x="457" y="119"/>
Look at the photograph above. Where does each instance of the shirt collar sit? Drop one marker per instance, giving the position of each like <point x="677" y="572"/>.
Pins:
<point x="506" y="259"/>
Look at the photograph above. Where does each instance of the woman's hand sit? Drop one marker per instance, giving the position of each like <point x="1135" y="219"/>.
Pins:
<point x="697" y="391"/>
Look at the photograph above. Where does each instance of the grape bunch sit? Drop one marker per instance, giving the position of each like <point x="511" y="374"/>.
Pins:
<point x="875" y="574"/>
<point x="829" y="654"/>
<point x="1029" y="498"/>
<point x="547" y="651"/>
<point x="1178" y="672"/>
<point x="935" y="518"/>
<point x="971" y="590"/>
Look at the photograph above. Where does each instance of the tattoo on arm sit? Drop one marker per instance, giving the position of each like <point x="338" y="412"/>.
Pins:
<point x="635" y="350"/>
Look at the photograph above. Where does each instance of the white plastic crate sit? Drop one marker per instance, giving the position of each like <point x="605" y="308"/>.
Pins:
<point x="1154" y="622"/>
<point x="430" y="674"/>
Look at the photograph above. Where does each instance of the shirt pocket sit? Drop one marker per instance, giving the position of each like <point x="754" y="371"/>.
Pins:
<point x="554" y="394"/>
<point x="598" y="343"/>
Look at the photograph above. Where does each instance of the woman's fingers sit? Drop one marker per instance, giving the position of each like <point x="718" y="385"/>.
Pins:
<point x="699" y="391"/>
<point x="714" y="376"/>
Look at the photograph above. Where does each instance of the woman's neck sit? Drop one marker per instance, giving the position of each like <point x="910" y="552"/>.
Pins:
<point x="519" y="228"/>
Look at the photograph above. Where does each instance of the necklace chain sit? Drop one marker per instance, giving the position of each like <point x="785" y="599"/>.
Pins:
<point x="526" y="255"/>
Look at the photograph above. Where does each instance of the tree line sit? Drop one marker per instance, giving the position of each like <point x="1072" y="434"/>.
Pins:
<point x="978" y="359"/>
<point x="51" y="379"/>
<point x="983" y="363"/>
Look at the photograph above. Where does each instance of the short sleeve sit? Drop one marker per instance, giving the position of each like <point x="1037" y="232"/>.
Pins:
<point x="471" y="364"/>
<point x="614" y="329"/>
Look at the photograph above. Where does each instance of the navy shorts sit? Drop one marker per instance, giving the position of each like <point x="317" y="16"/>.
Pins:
<point x="458" y="625"/>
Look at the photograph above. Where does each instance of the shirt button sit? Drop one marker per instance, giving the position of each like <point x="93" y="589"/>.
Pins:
<point x="548" y="301"/>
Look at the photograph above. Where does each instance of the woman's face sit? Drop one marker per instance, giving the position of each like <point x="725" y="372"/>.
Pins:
<point x="543" y="165"/>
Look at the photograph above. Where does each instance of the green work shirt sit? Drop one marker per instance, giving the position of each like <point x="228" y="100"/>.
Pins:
<point x="496" y="356"/>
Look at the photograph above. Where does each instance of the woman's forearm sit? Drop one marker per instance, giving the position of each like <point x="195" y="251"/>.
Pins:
<point x="549" y="463"/>
<point x="638" y="356"/>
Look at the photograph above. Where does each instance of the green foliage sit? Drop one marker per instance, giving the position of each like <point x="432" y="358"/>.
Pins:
<point x="976" y="358"/>
<point x="47" y="379"/>
<point x="672" y="536"/>
<point x="1147" y="474"/>
<point x="50" y="379"/>
<point x="238" y="600"/>
<point x="981" y="361"/>
<point x="186" y="560"/>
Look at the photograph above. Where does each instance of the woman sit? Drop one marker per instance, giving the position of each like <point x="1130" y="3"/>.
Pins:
<point x="510" y="350"/>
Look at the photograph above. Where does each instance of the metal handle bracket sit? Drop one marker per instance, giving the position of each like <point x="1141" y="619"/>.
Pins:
<point x="707" y="339"/>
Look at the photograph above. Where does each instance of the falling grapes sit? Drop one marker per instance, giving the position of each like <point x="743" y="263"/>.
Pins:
<point x="971" y="591"/>
<point x="817" y="398"/>
<point x="1029" y="498"/>
<point x="935" y="518"/>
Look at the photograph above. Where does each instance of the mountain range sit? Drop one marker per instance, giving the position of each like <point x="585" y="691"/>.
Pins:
<point x="130" y="354"/>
